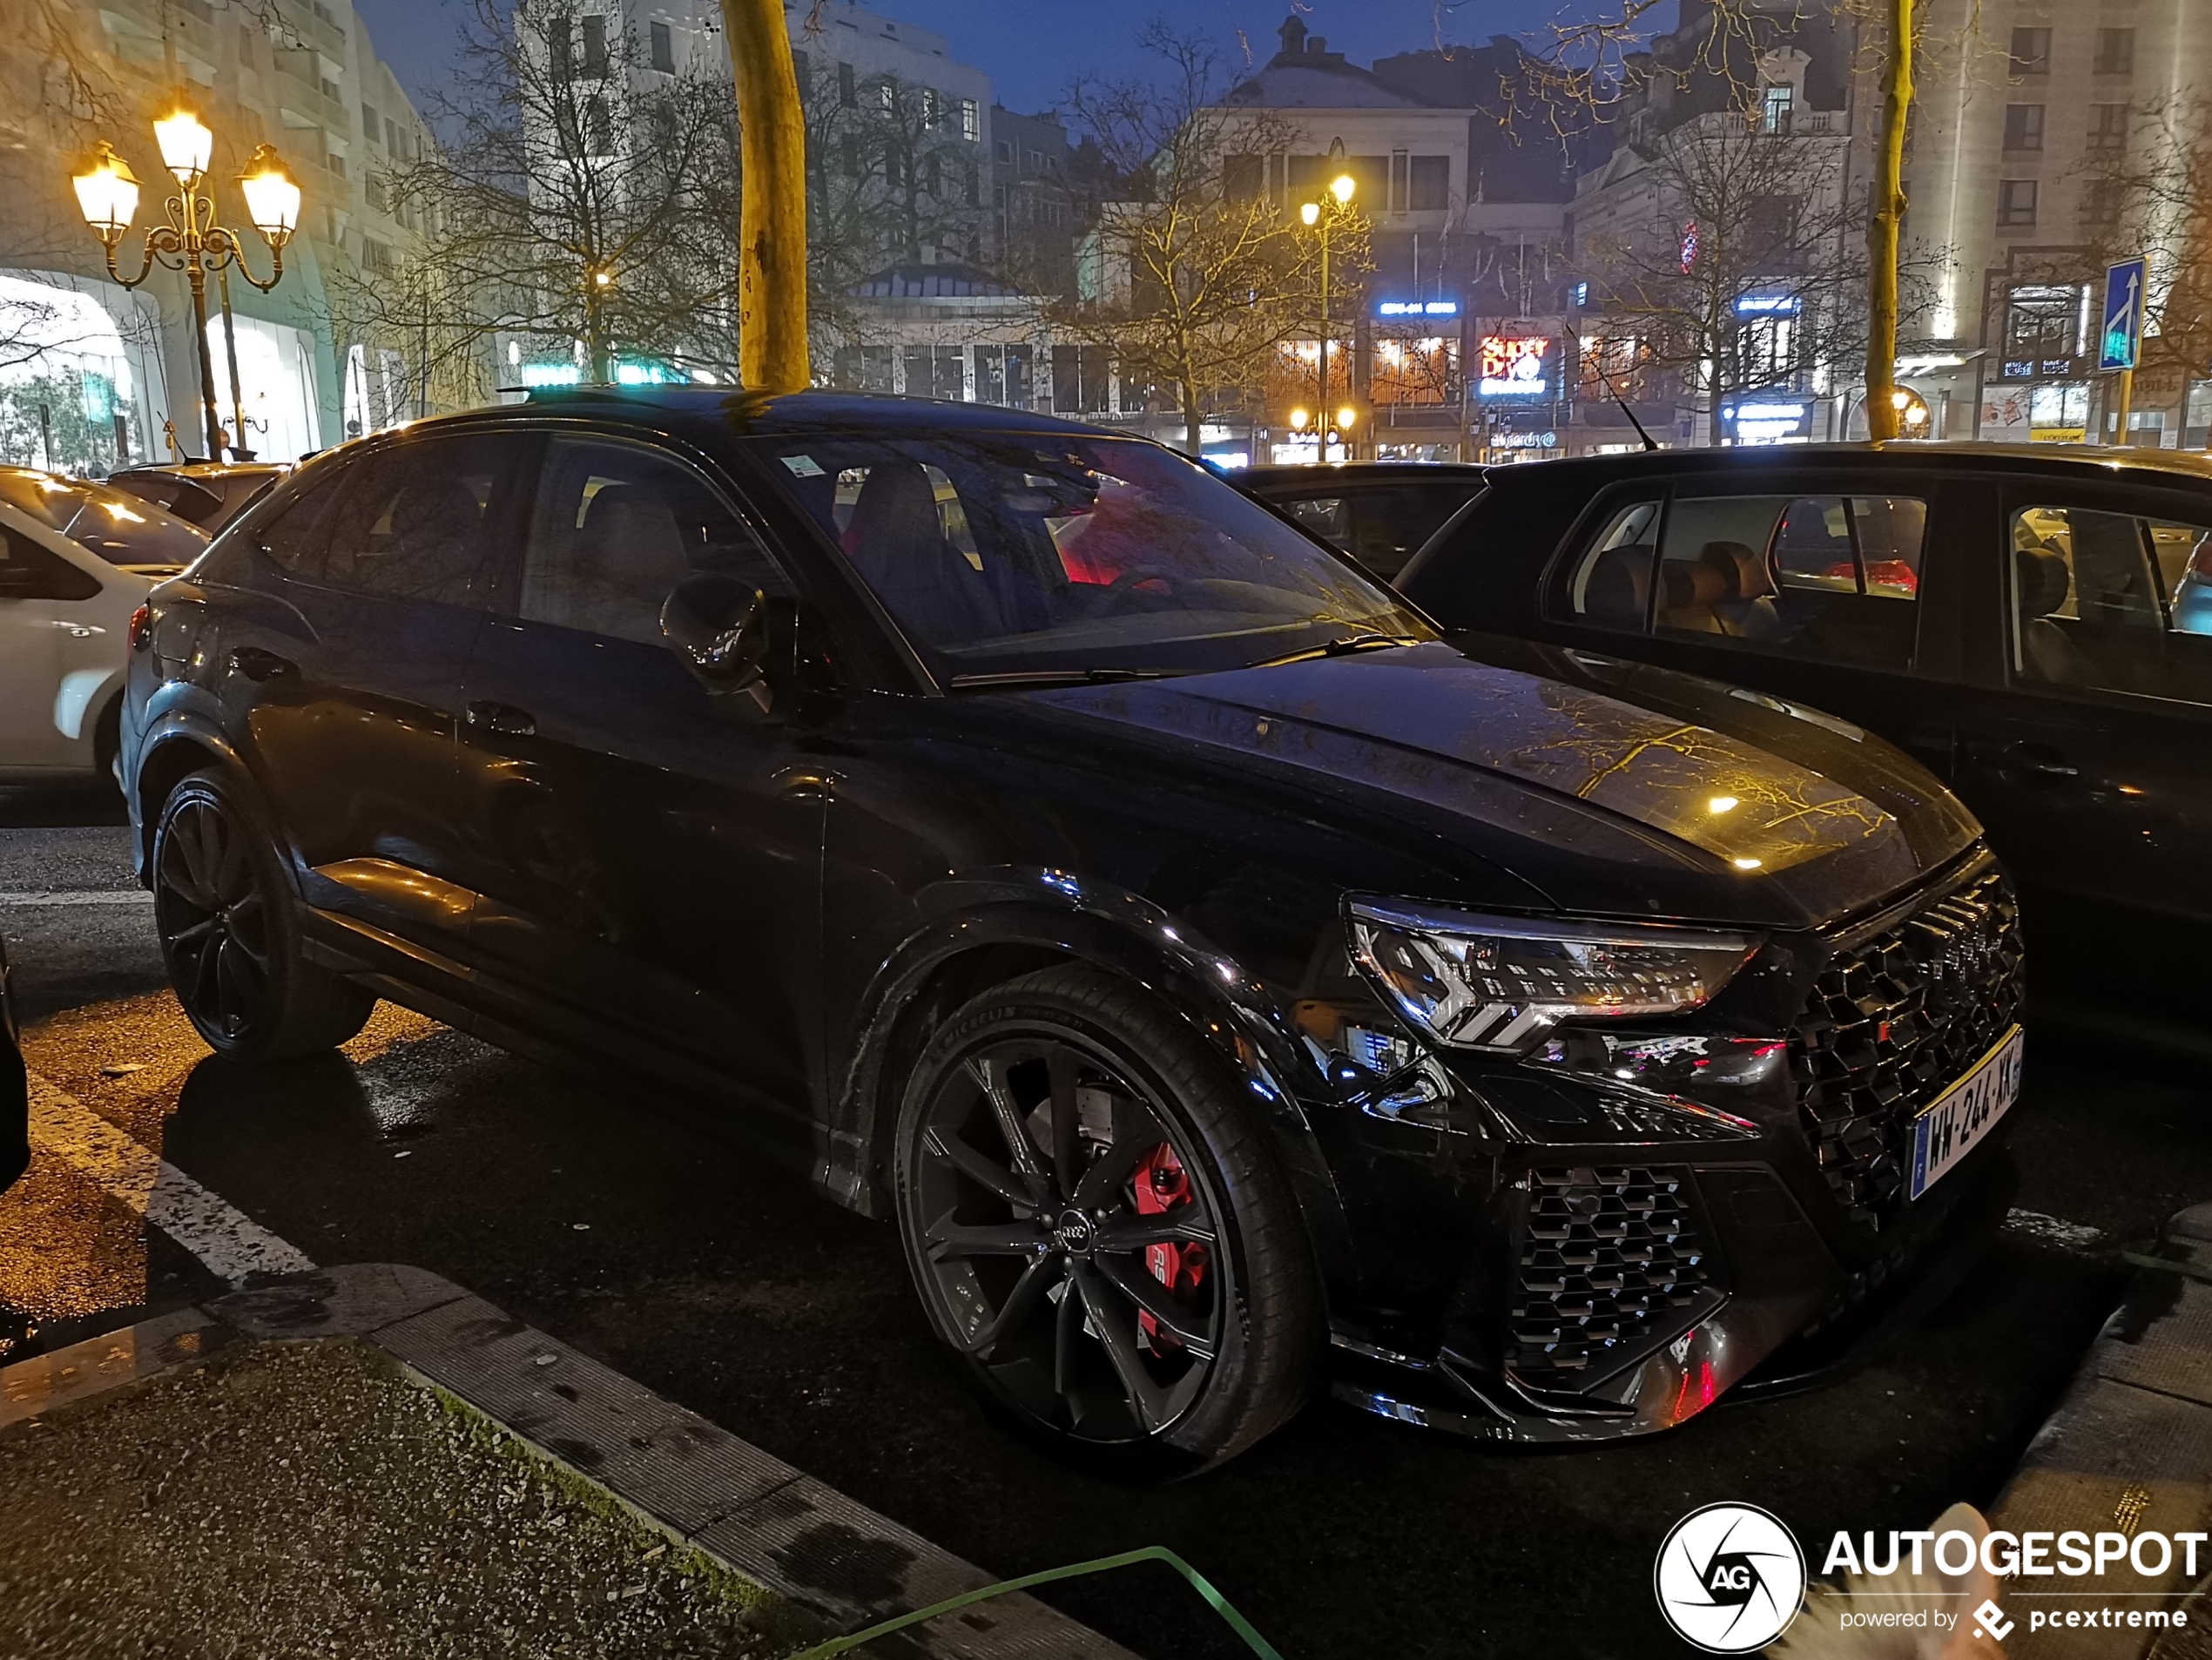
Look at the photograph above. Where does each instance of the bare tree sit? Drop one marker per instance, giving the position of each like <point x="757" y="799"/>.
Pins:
<point x="572" y="195"/>
<point x="2155" y="198"/>
<point x="1199" y="277"/>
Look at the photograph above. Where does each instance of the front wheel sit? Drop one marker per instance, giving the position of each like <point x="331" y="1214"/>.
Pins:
<point x="230" y="931"/>
<point x="1098" y="1227"/>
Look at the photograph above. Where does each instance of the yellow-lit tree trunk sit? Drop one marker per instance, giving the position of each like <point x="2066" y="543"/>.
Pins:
<point x="772" y="258"/>
<point x="1885" y="223"/>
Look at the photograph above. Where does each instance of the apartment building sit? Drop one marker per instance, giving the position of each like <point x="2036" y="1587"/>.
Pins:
<point x="2018" y="122"/>
<point x="118" y="378"/>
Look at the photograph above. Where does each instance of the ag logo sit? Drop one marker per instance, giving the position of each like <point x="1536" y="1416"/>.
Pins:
<point x="1730" y="1578"/>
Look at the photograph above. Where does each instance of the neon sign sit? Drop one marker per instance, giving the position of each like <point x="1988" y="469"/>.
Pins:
<point x="1515" y="367"/>
<point x="1417" y="309"/>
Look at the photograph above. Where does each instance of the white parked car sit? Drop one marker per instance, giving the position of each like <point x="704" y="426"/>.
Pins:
<point x="76" y="561"/>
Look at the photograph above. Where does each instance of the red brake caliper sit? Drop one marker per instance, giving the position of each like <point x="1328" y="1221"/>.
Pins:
<point x="1161" y="1184"/>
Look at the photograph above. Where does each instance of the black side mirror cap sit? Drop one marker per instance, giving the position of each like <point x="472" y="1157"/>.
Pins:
<point x="718" y="627"/>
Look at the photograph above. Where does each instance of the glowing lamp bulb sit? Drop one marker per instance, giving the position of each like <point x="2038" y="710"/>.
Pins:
<point x="107" y="193"/>
<point x="187" y="146"/>
<point x="272" y="196"/>
<point x="1298" y="420"/>
<point x="1345" y="416"/>
<point x="1342" y="186"/>
<point x="1310" y="212"/>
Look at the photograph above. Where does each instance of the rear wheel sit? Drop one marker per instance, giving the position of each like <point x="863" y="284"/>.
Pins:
<point x="230" y="931"/>
<point x="1098" y="1227"/>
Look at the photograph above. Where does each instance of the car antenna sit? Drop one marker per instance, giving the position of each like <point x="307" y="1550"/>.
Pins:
<point x="1650" y="442"/>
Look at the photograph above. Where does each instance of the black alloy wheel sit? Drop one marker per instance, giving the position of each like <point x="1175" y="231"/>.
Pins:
<point x="1076" y="1239"/>
<point x="229" y="936"/>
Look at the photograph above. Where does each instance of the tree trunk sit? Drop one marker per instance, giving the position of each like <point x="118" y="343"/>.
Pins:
<point x="1884" y="223"/>
<point x="1192" y="420"/>
<point x="772" y="255"/>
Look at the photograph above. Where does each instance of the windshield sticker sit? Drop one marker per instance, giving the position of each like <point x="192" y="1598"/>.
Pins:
<point x="805" y="466"/>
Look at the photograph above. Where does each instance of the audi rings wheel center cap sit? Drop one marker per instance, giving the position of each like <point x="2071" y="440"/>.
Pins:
<point x="1074" y="1234"/>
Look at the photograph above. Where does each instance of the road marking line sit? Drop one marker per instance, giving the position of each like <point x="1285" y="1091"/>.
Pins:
<point x="231" y="1243"/>
<point x="103" y="896"/>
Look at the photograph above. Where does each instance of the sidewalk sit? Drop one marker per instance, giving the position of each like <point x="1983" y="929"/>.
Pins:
<point x="370" y="1460"/>
<point x="2129" y="1449"/>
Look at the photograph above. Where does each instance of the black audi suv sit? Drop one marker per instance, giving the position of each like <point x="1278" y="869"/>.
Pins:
<point x="1058" y="852"/>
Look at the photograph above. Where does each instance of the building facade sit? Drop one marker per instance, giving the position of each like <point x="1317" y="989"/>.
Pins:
<point x="2021" y="127"/>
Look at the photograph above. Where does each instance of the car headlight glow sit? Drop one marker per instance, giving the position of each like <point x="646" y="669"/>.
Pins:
<point x="1499" y="983"/>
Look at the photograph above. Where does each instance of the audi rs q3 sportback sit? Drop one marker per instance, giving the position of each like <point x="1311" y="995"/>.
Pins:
<point x="1221" y="982"/>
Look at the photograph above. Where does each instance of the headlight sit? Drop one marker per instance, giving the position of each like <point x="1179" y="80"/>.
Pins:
<point x="1499" y="982"/>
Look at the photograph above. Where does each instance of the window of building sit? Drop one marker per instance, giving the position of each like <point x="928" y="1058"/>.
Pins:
<point x="851" y="145"/>
<point x="848" y="96"/>
<point x="1005" y="153"/>
<point x="2108" y="127"/>
<point x="393" y="141"/>
<point x="598" y="131"/>
<point x="971" y="120"/>
<point x="2116" y="53"/>
<point x="245" y="45"/>
<point x="1776" y="107"/>
<point x="933" y="175"/>
<point x="971" y="186"/>
<point x="372" y="122"/>
<point x="595" y="45"/>
<point x="932" y="108"/>
<point x="2030" y="51"/>
<point x="2016" y="201"/>
<point x="2042" y="330"/>
<point x="1399" y="186"/>
<point x="663" y="44"/>
<point x="1241" y="177"/>
<point x="1431" y="184"/>
<point x="2023" y="126"/>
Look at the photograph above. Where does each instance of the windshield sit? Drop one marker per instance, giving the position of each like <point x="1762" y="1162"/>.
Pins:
<point x="121" y="528"/>
<point x="1039" y="554"/>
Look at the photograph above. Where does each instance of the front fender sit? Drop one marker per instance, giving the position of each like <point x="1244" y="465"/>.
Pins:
<point x="978" y="929"/>
<point x="177" y="731"/>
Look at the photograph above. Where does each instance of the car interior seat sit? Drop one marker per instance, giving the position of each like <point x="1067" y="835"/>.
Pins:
<point x="1616" y="593"/>
<point x="2041" y="581"/>
<point x="1747" y="611"/>
<point x="626" y="558"/>
<point x="434" y="543"/>
<point x="897" y="542"/>
<point x="1690" y="591"/>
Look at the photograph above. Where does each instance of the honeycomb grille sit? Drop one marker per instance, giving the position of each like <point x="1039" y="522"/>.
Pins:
<point x="1890" y="1023"/>
<point x="1610" y="1259"/>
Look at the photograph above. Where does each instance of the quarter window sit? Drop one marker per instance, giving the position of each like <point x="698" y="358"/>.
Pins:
<point x="1828" y="577"/>
<point x="29" y="572"/>
<point x="615" y="528"/>
<point x="2112" y="601"/>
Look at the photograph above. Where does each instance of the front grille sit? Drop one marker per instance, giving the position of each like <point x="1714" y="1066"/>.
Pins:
<point x="1891" y="1022"/>
<point x="1610" y="1260"/>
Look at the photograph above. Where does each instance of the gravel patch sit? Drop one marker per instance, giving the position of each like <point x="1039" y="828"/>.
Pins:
<point x="294" y="1500"/>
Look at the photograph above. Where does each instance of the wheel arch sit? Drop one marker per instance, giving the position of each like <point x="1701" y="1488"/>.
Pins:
<point x="954" y="959"/>
<point x="176" y="748"/>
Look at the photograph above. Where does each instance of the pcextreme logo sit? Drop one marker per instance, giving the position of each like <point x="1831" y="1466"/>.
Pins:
<point x="1730" y="1578"/>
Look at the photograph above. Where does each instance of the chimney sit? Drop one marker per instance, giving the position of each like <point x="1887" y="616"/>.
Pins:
<point x="1318" y="45"/>
<point x="1292" y="35"/>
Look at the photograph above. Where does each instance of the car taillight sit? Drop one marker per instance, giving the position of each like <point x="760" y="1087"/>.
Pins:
<point x="141" y="628"/>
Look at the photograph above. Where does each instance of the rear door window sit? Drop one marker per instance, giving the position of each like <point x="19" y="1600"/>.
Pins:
<point x="29" y="572"/>
<point x="1832" y="579"/>
<point x="2113" y="602"/>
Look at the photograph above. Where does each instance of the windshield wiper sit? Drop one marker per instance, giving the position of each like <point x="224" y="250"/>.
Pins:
<point x="1013" y="679"/>
<point x="1344" y="645"/>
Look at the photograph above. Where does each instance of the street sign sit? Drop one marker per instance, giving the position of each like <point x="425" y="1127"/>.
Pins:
<point x="2122" y="340"/>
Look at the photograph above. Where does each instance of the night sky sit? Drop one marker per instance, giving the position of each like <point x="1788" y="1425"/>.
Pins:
<point x="1031" y="49"/>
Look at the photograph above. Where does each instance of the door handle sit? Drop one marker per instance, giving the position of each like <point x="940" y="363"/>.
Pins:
<point x="77" y="630"/>
<point x="502" y="718"/>
<point x="809" y="783"/>
<point x="258" y="664"/>
<point x="2026" y="763"/>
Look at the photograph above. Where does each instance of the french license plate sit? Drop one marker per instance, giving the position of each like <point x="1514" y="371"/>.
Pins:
<point x="1959" y="1119"/>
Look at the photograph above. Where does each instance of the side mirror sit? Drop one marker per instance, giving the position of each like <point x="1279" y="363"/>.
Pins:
<point x="718" y="627"/>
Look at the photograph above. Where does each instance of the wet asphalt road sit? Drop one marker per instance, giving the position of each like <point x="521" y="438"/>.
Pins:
<point x="636" y="1228"/>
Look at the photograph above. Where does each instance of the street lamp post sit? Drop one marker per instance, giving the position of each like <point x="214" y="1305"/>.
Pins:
<point x="192" y="241"/>
<point x="1322" y="216"/>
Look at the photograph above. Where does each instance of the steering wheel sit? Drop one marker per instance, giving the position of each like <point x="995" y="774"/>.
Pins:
<point x="1128" y="581"/>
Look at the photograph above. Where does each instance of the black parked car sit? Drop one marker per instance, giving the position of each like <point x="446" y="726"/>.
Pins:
<point x="2034" y="626"/>
<point x="1379" y="512"/>
<point x="1058" y="852"/>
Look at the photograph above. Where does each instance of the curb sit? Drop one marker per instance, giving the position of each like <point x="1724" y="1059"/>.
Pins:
<point x="765" y="1521"/>
<point x="2129" y="1449"/>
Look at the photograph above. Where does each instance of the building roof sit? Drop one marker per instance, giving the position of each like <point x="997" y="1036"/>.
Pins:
<point x="1306" y="74"/>
<point x="948" y="280"/>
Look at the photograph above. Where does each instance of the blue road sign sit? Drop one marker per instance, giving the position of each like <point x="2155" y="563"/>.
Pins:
<point x="2122" y="340"/>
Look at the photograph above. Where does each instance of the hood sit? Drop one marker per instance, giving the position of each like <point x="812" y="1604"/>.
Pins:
<point x="1698" y="803"/>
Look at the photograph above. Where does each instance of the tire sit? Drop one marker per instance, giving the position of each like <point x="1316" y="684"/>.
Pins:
<point x="1162" y="1316"/>
<point x="229" y="924"/>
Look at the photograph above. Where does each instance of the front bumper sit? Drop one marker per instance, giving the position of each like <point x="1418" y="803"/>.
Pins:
<point x="1599" y="1242"/>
